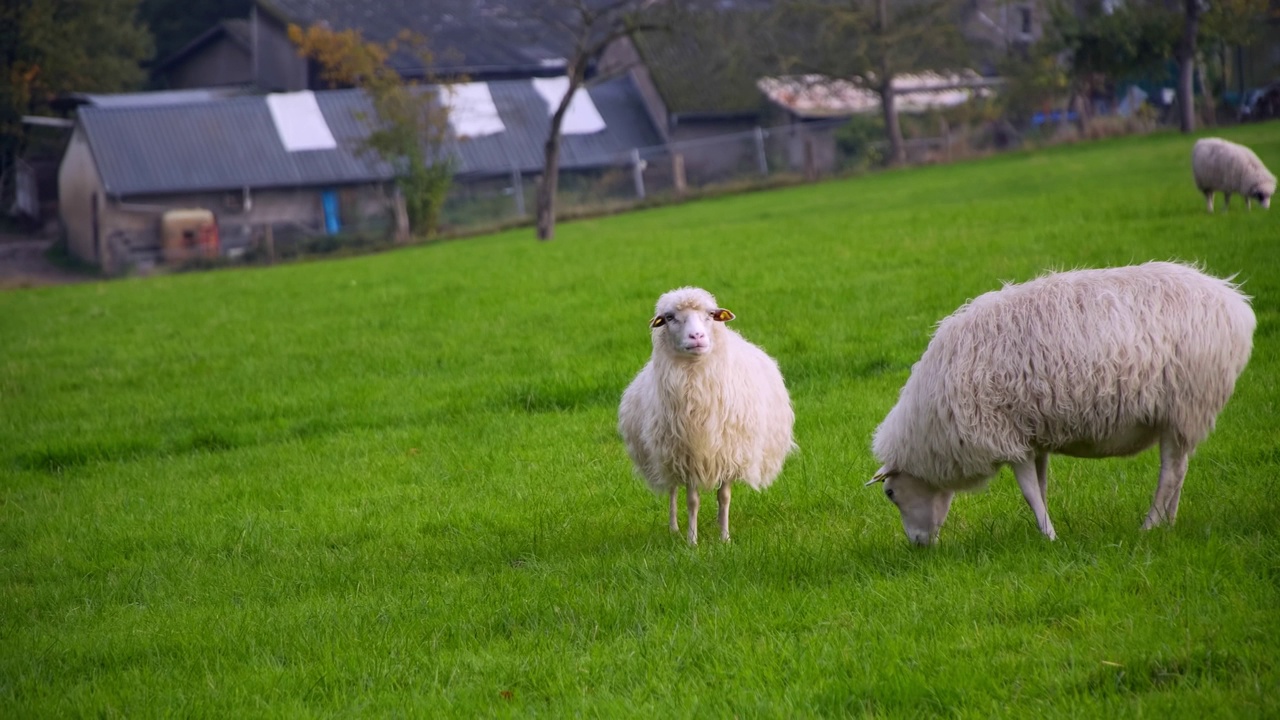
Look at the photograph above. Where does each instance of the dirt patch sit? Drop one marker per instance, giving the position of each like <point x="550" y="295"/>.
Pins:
<point x="24" y="262"/>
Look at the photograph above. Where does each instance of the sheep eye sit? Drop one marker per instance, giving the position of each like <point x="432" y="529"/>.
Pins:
<point x="670" y="317"/>
<point x="888" y="492"/>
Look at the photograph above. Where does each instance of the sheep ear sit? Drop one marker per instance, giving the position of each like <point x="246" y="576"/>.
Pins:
<point x="657" y="321"/>
<point x="722" y="315"/>
<point x="881" y="475"/>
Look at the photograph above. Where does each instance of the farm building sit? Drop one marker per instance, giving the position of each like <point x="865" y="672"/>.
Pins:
<point x="271" y="169"/>
<point x="253" y="162"/>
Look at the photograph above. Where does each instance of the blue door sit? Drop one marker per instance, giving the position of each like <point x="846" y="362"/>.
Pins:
<point x="329" y="199"/>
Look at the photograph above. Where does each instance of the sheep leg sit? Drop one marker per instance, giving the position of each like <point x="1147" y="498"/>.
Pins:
<point x="1226" y="201"/>
<point x="1173" y="470"/>
<point x="691" y="509"/>
<point x="1029" y="481"/>
<point x="675" y="502"/>
<point x="1208" y="198"/>
<point x="723" y="496"/>
<point x="1042" y="476"/>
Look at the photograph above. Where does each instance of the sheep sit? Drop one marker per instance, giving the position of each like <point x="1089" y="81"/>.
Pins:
<point x="1086" y="363"/>
<point x="707" y="409"/>
<point x="1218" y="164"/>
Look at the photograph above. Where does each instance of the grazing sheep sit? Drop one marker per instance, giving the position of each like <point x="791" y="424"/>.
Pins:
<point x="708" y="408"/>
<point x="1088" y="363"/>
<point x="1222" y="165"/>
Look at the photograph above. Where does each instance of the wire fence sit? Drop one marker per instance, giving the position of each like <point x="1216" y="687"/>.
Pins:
<point x="651" y="174"/>
<point x="795" y="152"/>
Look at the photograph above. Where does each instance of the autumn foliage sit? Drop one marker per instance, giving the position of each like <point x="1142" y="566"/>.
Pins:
<point x="409" y="125"/>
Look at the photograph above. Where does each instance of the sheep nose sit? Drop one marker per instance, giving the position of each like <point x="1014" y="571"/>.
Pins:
<point x="697" y="335"/>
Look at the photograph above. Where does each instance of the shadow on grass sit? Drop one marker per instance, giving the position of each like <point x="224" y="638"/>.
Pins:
<point x="1144" y="675"/>
<point x="59" y="457"/>
<point x="558" y="396"/>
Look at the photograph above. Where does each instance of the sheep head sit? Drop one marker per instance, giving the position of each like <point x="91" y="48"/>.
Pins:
<point x="686" y="322"/>
<point x="1263" y="191"/>
<point x="923" y="506"/>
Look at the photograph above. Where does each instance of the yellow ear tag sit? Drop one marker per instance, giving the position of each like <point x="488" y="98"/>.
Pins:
<point x="722" y="315"/>
<point x="657" y="322"/>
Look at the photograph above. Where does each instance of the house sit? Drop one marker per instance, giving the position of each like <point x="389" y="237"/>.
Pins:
<point x="826" y="102"/>
<point x="221" y="56"/>
<point x="254" y="162"/>
<point x="492" y="40"/>
<point x="276" y="168"/>
<point x="479" y="41"/>
<point x="1003" y="27"/>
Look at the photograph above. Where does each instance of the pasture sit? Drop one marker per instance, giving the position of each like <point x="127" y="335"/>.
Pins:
<point x="392" y="485"/>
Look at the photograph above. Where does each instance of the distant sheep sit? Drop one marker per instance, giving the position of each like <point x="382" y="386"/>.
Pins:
<point x="1088" y="363"/>
<point x="1220" y="165"/>
<point x="708" y="409"/>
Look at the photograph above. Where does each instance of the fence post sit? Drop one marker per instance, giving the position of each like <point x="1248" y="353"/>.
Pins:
<point x="637" y="172"/>
<point x="810" y="162"/>
<point x="677" y="172"/>
<point x="946" y="137"/>
<point x="398" y="209"/>
<point x="517" y="187"/>
<point x="761" y="159"/>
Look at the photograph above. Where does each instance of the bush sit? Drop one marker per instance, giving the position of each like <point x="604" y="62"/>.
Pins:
<point x="861" y="142"/>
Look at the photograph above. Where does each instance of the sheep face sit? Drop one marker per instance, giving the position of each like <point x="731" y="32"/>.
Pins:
<point x="923" y="507"/>
<point x="1262" y="192"/>
<point x="686" y="321"/>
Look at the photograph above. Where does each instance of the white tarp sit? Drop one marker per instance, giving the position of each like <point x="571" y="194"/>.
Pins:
<point x="581" y="118"/>
<point x="471" y="110"/>
<point x="299" y="122"/>
<point x="1133" y="99"/>
<point x="820" y="96"/>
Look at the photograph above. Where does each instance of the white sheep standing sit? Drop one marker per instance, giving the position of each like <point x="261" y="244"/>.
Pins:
<point x="1221" y="165"/>
<point x="1087" y="363"/>
<point x="708" y="409"/>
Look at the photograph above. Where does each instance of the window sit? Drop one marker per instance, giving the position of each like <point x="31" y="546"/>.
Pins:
<point x="1024" y="13"/>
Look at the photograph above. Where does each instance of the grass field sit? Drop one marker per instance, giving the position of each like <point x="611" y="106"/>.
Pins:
<point x="392" y="485"/>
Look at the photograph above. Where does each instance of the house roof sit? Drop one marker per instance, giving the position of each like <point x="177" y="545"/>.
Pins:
<point x="818" y="96"/>
<point x="233" y="143"/>
<point x="69" y="101"/>
<point x="235" y="31"/>
<point x="527" y="122"/>
<point x="476" y="37"/>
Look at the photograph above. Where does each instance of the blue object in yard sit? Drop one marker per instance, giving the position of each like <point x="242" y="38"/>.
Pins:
<point x="1056" y="116"/>
<point x="329" y="199"/>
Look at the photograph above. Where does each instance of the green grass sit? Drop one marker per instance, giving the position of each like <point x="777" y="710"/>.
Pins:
<point x="392" y="484"/>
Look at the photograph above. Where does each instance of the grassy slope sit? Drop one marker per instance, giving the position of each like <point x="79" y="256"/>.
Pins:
<point x="393" y="483"/>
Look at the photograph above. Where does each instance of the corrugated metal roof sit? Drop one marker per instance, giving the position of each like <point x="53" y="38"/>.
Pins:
<point x="158" y="97"/>
<point x="474" y="36"/>
<point x="232" y="143"/>
<point x="222" y="145"/>
<point x="528" y="121"/>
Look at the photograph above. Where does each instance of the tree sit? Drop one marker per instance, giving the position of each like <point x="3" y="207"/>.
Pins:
<point x="1143" y="35"/>
<point x="1186" y="65"/>
<point x="1102" y="47"/>
<point x="874" y="40"/>
<point x="409" y="127"/>
<point x="50" y="47"/>
<point x="587" y="27"/>
<point x="1225" y="23"/>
